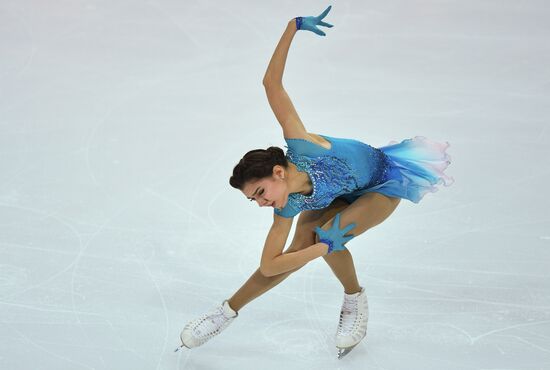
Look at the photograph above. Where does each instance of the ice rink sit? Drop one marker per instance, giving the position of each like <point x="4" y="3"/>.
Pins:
<point x="120" y="125"/>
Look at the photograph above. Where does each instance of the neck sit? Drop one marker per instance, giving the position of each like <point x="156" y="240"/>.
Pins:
<point x="299" y="181"/>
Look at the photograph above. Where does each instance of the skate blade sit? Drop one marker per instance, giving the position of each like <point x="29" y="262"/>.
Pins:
<point x="344" y="351"/>
<point x="180" y="347"/>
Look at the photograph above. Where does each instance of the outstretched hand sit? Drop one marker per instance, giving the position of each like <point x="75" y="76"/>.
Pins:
<point x="335" y="237"/>
<point x="311" y="23"/>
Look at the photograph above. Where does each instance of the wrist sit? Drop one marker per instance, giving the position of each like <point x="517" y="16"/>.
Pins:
<point x="298" y="22"/>
<point x="329" y="244"/>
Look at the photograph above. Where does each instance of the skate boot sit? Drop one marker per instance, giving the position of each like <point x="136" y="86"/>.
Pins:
<point x="200" y="330"/>
<point x="352" y="327"/>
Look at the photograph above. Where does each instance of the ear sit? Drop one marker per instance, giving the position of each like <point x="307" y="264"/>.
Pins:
<point x="279" y="171"/>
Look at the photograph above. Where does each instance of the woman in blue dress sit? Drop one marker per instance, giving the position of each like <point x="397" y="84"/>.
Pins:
<point x="339" y="187"/>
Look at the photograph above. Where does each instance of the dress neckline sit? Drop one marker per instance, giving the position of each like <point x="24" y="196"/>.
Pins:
<point x="311" y="179"/>
<point x="304" y="168"/>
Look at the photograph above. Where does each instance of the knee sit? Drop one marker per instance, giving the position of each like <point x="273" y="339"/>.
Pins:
<point x="300" y="243"/>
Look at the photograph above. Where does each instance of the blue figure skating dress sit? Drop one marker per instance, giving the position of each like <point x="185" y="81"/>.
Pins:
<point x="351" y="168"/>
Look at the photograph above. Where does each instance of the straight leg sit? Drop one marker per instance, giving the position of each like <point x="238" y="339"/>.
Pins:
<point x="340" y="262"/>
<point x="254" y="287"/>
<point x="304" y="237"/>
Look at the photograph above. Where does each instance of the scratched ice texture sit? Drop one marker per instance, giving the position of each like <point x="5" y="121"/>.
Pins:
<point x="121" y="121"/>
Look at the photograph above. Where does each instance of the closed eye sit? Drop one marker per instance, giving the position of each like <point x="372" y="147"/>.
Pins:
<point x="260" y="193"/>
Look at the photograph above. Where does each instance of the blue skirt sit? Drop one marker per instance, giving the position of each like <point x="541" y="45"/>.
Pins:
<point x="415" y="167"/>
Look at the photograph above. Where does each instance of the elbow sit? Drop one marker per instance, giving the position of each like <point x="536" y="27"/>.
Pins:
<point x="266" y="80"/>
<point x="270" y="81"/>
<point x="265" y="270"/>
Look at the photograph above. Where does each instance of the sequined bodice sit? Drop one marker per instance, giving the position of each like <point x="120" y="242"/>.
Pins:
<point x="329" y="175"/>
<point x="349" y="165"/>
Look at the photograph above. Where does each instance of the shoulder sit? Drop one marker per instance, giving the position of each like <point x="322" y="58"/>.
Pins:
<point x="288" y="211"/>
<point x="320" y="140"/>
<point x="309" y="144"/>
<point x="311" y="137"/>
<point x="300" y="135"/>
<point x="283" y="219"/>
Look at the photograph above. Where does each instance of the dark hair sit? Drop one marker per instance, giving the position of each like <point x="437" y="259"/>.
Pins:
<point x="257" y="164"/>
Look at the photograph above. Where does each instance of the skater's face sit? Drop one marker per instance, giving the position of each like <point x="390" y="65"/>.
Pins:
<point x="269" y="191"/>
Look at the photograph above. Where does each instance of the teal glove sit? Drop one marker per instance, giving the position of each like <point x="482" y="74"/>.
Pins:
<point x="334" y="236"/>
<point x="311" y="23"/>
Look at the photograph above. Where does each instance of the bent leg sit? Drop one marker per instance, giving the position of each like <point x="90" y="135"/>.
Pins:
<point x="304" y="237"/>
<point x="341" y="264"/>
<point x="367" y="211"/>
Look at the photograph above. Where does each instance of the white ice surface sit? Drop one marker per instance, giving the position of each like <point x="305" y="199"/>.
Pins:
<point x="120" y="124"/>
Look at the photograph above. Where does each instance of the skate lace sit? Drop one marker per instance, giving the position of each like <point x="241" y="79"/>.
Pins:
<point x="348" y="314"/>
<point x="211" y="324"/>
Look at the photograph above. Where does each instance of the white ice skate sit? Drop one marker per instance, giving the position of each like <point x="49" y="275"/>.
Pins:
<point x="200" y="330"/>
<point x="352" y="327"/>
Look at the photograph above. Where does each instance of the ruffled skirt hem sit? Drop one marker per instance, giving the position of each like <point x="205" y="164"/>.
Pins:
<point x="416" y="167"/>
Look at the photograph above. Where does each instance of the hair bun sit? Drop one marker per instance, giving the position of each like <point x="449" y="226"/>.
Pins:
<point x="257" y="164"/>
<point x="276" y="153"/>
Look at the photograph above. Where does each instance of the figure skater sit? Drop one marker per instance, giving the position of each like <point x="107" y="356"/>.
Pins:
<point x="331" y="182"/>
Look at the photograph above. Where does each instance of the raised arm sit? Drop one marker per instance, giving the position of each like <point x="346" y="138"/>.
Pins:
<point x="273" y="79"/>
<point x="276" y="67"/>
<point x="280" y="102"/>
